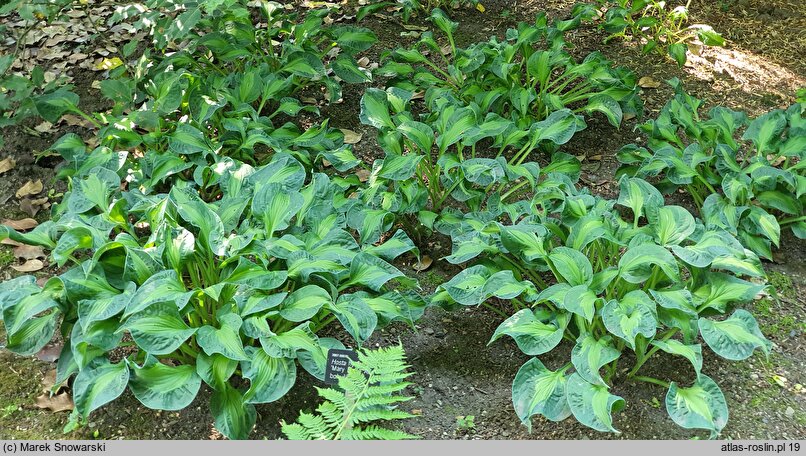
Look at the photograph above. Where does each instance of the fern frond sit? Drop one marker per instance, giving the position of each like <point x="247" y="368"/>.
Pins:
<point x="369" y="392"/>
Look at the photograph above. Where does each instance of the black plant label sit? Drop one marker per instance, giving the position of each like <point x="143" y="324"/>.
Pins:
<point x="338" y="361"/>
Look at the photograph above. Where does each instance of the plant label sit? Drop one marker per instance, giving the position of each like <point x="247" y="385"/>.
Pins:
<point x="338" y="361"/>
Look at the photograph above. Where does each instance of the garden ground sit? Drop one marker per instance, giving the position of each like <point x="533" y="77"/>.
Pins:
<point x="457" y="375"/>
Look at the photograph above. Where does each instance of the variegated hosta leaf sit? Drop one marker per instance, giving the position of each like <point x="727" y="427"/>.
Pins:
<point x="590" y="354"/>
<point x="581" y="301"/>
<point x="269" y="377"/>
<point x="475" y="285"/>
<point x="538" y="390"/>
<point x="672" y="224"/>
<point x="693" y="353"/>
<point x="721" y="289"/>
<point x="572" y="266"/>
<point x="630" y="316"/>
<point x="639" y="195"/>
<point x="533" y="336"/>
<point x="592" y="405"/>
<point x="734" y="338"/>
<point x="159" y="386"/>
<point x="700" y="406"/>
<point x="636" y="265"/>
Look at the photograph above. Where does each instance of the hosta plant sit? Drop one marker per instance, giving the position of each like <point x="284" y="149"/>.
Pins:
<point x="221" y="37"/>
<point x="620" y="290"/>
<point x="164" y="291"/>
<point x="525" y="77"/>
<point x="434" y="161"/>
<point x="747" y="176"/>
<point x="658" y="26"/>
<point x="408" y="8"/>
<point x="370" y="393"/>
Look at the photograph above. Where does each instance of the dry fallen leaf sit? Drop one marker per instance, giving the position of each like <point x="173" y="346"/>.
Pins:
<point x="44" y="127"/>
<point x="648" y="82"/>
<point x="363" y="174"/>
<point x="351" y="137"/>
<point x="58" y="403"/>
<point x="10" y="242"/>
<point x="29" y="252"/>
<point x="29" y="266"/>
<point x="21" y="225"/>
<point x="424" y="263"/>
<point x="49" y="354"/>
<point x="7" y="164"/>
<point x="30" y="188"/>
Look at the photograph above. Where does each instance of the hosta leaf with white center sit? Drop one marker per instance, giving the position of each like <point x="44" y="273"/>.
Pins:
<point x="304" y="303"/>
<point x="224" y="340"/>
<point x="538" y="390"/>
<point x="288" y="343"/>
<point x="572" y="266"/>
<point x="607" y="106"/>
<point x="96" y="386"/>
<point x="269" y="377"/>
<point x="672" y="224"/>
<point x="533" y="336"/>
<point x="734" y="338"/>
<point x="636" y="265"/>
<point x="476" y="284"/>
<point x="399" y="167"/>
<point x="592" y="405"/>
<point x="693" y="353"/>
<point x="162" y="387"/>
<point x="590" y="354"/>
<point x="630" y="316"/>
<point x="700" y="406"/>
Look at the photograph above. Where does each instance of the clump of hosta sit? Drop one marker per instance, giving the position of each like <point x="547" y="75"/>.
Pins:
<point x="746" y="176"/>
<point x="165" y="291"/>
<point x="575" y="270"/>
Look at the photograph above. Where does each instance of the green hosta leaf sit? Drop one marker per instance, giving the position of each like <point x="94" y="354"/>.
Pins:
<point x="476" y="284"/>
<point x="304" y="303"/>
<point x="188" y="140"/>
<point x="630" y="316"/>
<point x="592" y="405"/>
<point x="734" y="338"/>
<point x="589" y="355"/>
<point x="678" y="52"/>
<point x="225" y="340"/>
<point x="356" y="317"/>
<point x="538" y="390"/>
<point x="162" y="387"/>
<point x="700" y="406"/>
<point x="722" y="289"/>
<point x="393" y="247"/>
<point x="269" y="378"/>
<point x="693" y="353"/>
<point x="607" y="106"/>
<point x="370" y="223"/>
<point x="375" y="109"/>
<point x="455" y="128"/>
<point x="635" y="266"/>
<point x="765" y="130"/>
<point x="51" y="106"/>
<point x="233" y="417"/>
<point x="780" y="201"/>
<point x="532" y="335"/>
<point x="314" y="361"/>
<point x="215" y="370"/>
<point x="33" y="334"/>
<point x="672" y="224"/>
<point x="158" y="330"/>
<point x="573" y="266"/>
<point x="354" y="39"/>
<point x="559" y="127"/>
<point x="443" y="22"/>
<point x="97" y="386"/>
<point x="277" y="206"/>
<point x="399" y="167"/>
<point x="581" y="301"/>
<point x="371" y="271"/>
<point x="288" y="343"/>
<point x="522" y="241"/>
<point x="710" y="246"/>
<point x="419" y="133"/>
<point x="639" y="195"/>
